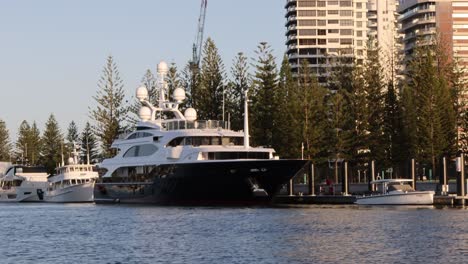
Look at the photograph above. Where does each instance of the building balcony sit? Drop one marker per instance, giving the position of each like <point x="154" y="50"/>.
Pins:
<point x="291" y="20"/>
<point x="417" y="22"/>
<point x="416" y="12"/>
<point x="290" y="3"/>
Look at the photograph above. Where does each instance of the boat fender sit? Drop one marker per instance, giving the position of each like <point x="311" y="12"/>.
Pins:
<point x="40" y="194"/>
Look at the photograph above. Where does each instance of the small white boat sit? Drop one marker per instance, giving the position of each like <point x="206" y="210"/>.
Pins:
<point x="23" y="184"/>
<point x="73" y="183"/>
<point x="396" y="192"/>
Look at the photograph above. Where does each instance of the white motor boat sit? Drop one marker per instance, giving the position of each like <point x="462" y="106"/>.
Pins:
<point x="396" y="192"/>
<point x="73" y="183"/>
<point x="23" y="184"/>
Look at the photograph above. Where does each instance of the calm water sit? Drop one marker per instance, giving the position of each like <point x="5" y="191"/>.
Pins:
<point x="45" y="233"/>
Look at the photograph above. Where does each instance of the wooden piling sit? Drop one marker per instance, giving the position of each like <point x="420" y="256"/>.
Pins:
<point x="413" y="173"/>
<point x="345" y="182"/>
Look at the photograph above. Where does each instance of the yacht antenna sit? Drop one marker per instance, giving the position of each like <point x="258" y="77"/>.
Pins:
<point x="246" y="120"/>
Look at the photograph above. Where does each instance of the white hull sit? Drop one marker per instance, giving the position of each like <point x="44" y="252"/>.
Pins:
<point x="20" y="194"/>
<point x="409" y="198"/>
<point x="81" y="193"/>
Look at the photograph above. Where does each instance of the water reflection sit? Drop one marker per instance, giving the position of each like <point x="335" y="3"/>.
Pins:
<point x="303" y="234"/>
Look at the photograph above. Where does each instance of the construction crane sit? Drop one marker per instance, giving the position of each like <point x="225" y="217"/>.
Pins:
<point x="197" y="45"/>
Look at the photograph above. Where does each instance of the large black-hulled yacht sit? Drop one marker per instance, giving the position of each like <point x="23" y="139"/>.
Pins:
<point x="181" y="160"/>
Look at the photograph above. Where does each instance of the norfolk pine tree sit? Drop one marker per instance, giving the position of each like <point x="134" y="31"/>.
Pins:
<point x="235" y="93"/>
<point x="5" y="144"/>
<point x="89" y="145"/>
<point x="265" y="85"/>
<point x="209" y="96"/>
<point x="110" y="113"/>
<point x="52" y="142"/>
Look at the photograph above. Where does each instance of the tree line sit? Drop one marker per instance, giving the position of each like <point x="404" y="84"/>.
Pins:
<point x="357" y="115"/>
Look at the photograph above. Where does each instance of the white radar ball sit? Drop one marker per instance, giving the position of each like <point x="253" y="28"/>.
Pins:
<point x="144" y="113"/>
<point x="179" y="95"/>
<point x="71" y="160"/>
<point x="190" y="114"/>
<point x="142" y="93"/>
<point x="163" y="68"/>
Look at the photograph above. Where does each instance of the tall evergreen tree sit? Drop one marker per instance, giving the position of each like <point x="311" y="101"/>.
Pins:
<point x="434" y="118"/>
<point x="28" y="144"/>
<point x="5" y="144"/>
<point x="235" y="93"/>
<point x="173" y="79"/>
<point x="89" y="145"/>
<point x="285" y="141"/>
<point x="374" y="87"/>
<point x="393" y="137"/>
<point x="265" y="85"/>
<point x="209" y="97"/>
<point x="308" y="101"/>
<point x="111" y="112"/>
<point x="72" y="133"/>
<point x="53" y="145"/>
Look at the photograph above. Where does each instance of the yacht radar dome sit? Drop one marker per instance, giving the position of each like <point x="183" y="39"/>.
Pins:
<point x="71" y="161"/>
<point x="144" y="113"/>
<point x="190" y="114"/>
<point x="163" y="68"/>
<point x="142" y="93"/>
<point x="179" y="95"/>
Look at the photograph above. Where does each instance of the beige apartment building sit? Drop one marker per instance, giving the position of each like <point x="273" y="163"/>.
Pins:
<point x="317" y="31"/>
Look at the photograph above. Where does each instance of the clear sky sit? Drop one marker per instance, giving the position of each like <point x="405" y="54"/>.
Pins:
<point x="52" y="51"/>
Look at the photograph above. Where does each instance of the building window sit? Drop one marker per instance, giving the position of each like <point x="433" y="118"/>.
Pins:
<point x="346" y="41"/>
<point x="307" y="42"/>
<point x="305" y="13"/>
<point x="359" y="5"/>
<point x="332" y="2"/>
<point x="346" y="22"/>
<point x="321" y="3"/>
<point x="333" y="12"/>
<point x="359" y="33"/>
<point x="307" y="32"/>
<point x="322" y="42"/>
<point x="333" y="31"/>
<point x="345" y="3"/>
<point x="322" y="32"/>
<point x="306" y="3"/>
<point x="346" y="32"/>
<point x="333" y="21"/>
<point x="307" y="22"/>
<point x="359" y="24"/>
<point x="321" y="22"/>
<point x="346" y="13"/>
<point x="358" y="14"/>
<point x="321" y="13"/>
<point x="359" y="43"/>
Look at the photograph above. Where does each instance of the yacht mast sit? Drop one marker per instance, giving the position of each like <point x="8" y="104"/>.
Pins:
<point x="246" y="120"/>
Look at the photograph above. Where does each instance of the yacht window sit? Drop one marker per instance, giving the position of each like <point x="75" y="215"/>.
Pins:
<point x="175" y="142"/>
<point x="140" y="151"/>
<point x="237" y="155"/>
<point x="139" y="135"/>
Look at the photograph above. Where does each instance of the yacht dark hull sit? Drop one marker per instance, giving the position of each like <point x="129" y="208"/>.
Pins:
<point x="203" y="183"/>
